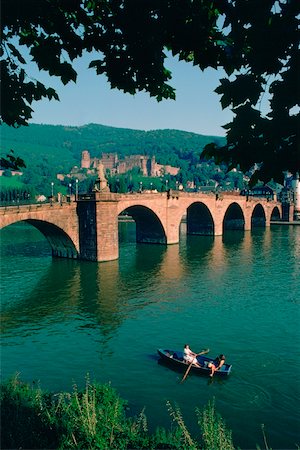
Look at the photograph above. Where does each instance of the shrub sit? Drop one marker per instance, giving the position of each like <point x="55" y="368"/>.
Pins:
<point x="215" y="435"/>
<point x="94" y="418"/>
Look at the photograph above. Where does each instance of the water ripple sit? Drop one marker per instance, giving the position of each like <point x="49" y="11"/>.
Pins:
<point x="250" y="396"/>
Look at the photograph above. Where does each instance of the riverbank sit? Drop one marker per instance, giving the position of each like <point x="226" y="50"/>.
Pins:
<point x="96" y="417"/>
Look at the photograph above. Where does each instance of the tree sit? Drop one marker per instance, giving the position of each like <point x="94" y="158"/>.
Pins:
<point x="266" y="36"/>
<point x="254" y="41"/>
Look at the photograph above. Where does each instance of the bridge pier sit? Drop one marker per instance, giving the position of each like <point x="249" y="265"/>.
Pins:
<point x="107" y="230"/>
<point x="98" y="228"/>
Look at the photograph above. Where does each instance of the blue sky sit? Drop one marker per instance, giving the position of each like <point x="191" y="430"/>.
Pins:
<point x="91" y="100"/>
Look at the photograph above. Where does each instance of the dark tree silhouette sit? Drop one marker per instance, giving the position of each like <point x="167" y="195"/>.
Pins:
<point x="254" y="41"/>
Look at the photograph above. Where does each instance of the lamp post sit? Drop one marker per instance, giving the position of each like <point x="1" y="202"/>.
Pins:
<point x="76" y="191"/>
<point x="141" y="186"/>
<point x="176" y="185"/>
<point x="167" y="181"/>
<point x="70" y="190"/>
<point x="151" y="186"/>
<point x="52" y="191"/>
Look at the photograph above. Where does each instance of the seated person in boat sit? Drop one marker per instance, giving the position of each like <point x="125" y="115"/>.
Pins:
<point x="216" y="364"/>
<point x="189" y="356"/>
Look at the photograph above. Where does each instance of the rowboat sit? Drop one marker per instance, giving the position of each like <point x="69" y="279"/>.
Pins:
<point x="175" y="358"/>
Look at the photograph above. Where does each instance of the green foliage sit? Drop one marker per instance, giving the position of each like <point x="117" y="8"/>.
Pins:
<point x="89" y="418"/>
<point x="264" y="50"/>
<point x="10" y="181"/>
<point x="24" y="417"/>
<point x="49" y="150"/>
<point x="95" y="417"/>
<point x="185" y="438"/>
<point x="215" y="434"/>
<point x="62" y="146"/>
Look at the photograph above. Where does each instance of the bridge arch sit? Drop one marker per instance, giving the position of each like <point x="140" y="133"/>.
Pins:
<point x="275" y="214"/>
<point x="149" y="228"/>
<point x="258" y="216"/>
<point x="61" y="244"/>
<point x="234" y="218"/>
<point x="199" y="219"/>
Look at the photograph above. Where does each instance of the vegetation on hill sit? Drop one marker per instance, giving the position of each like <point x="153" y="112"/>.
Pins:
<point x="49" y="150"/>
<point x="61" y="146"/>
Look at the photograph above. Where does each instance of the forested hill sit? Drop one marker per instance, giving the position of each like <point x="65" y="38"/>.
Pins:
<point x="61" y="146"/>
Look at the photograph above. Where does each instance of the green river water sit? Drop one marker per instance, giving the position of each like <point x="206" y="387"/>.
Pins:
<point x="238" y="294"/>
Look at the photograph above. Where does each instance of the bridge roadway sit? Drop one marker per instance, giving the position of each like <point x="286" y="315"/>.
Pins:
<point x="88" y="229"/>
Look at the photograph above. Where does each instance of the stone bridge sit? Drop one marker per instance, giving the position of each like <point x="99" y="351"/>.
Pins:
<point x="88" y="228"/>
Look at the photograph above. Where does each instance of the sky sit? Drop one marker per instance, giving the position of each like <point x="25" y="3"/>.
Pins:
<point x="197" y="107"/>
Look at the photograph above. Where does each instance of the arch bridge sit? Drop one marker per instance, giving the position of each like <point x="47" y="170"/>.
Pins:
<point x="88" y="228"/>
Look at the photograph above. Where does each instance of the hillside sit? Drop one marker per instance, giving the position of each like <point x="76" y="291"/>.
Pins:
<point x="60" y="147"/>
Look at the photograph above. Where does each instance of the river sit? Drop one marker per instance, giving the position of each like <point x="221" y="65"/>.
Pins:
<point x="238" y="294"/>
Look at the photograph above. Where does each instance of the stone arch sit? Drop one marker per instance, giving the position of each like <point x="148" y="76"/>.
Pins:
<point x="149" y="229"/>
<point x="61" y="244"/>
<point x="275" y="214"/>
<point x="234" y="218"/>
<point x="199" y="219"/>
<point x="258" y="217"/>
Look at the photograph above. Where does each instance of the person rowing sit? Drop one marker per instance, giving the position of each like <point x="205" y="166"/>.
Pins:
<point x="189" y="356"/>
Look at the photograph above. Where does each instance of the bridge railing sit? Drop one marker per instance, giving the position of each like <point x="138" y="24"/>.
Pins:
<point x="109" y="196"/>
<point x="32" y="207"/>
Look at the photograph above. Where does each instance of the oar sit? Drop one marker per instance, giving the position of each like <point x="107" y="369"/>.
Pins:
<point x="189" y="368"/>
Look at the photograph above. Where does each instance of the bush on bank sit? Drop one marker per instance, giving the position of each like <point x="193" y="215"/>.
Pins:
<point x="95" y="418"/>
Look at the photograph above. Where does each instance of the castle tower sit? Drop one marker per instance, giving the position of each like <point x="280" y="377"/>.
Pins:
<point x="152" y="167"/>
<point x="144" y="166"/>
<point x="85" y="160"/>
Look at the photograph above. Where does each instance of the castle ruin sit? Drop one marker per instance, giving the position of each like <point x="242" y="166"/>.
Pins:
<point x="148" y="166"/>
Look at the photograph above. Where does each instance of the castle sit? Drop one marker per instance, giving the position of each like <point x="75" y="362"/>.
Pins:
<point x="148" y="166"/>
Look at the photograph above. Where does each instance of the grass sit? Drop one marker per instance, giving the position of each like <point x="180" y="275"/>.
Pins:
<point x="11" y="182"/>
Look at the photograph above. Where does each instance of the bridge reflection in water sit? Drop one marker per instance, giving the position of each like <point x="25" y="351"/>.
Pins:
<point x="94" y="289"/>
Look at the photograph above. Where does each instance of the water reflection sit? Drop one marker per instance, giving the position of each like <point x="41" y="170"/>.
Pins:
<point x="198" y="248"/>
<point x="233" y="238"/>
<point x="104" y="295"/>
<point x="60" y="282"/>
